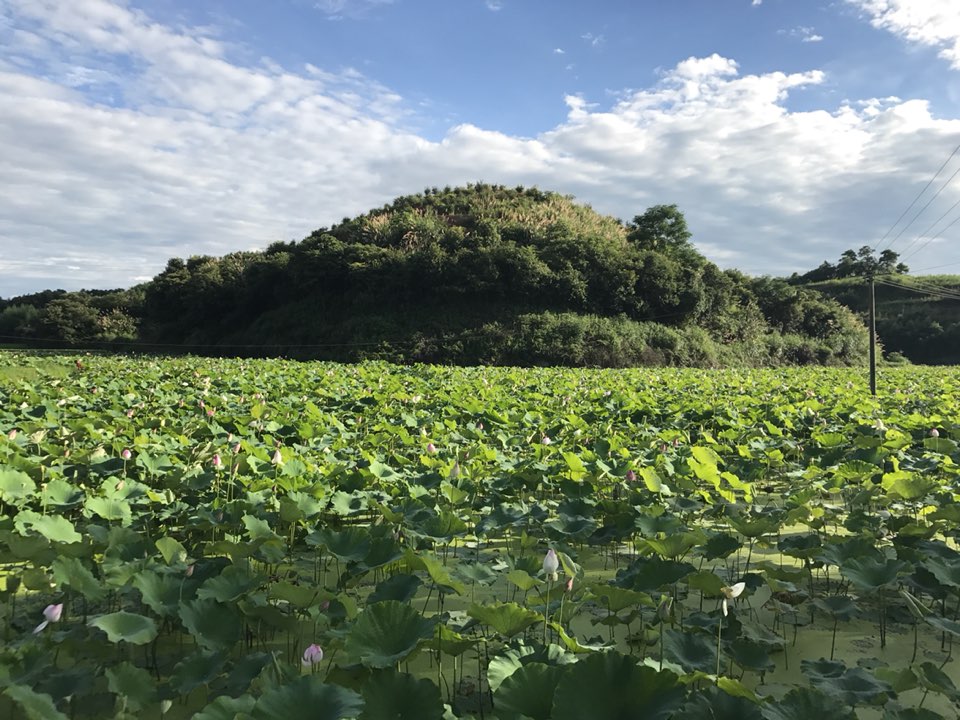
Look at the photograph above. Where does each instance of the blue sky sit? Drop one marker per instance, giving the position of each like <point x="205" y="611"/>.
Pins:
<point x="787" y="131"/>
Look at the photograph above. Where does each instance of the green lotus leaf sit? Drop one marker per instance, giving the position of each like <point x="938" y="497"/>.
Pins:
<point x="348" y="545"/>
<point x="61" y="493"/>
<point x="572" y="526"/>
<point x="873" y="574"/>
<point x="935" y="680"/>
<point x="615" y="598"/>
<point x="390" y="695"/>
<point x="754" y="528"/>
<point x="126" y="627"/>
<point x="401" y="587"/>
<point x="652" y="525"/>
<point x="36" y="706"/>
<point x="73" y="573"/>
<point x="161" y="593"/>
<point x="213" y="625"/>
<point x="172" y="550"/>
<point x="691" y="650"/>
<point x="807" y="703"/>
<point x="110" y="509"/>
<point x="54" y="528"/>
<point x="715" y="704"/>
<point x="900" y="680"/>
<point x="854" y="686"/>
<point x="611" y="686"/>
<point x="478" y="573"/>
<point x="307" y="698"/>
<point x="708" y="583"/>
<point x="571" y="644"/>
<point x="444" y="525"/>
<point x="908" y="486"/>
<point x="736" y="688"/>
<point x="133" y="684"/>
<point x="945" y="571"/>
<point x="751" y="655"/>
<point x="227" y="708"/>
<point x="822" y="669"/>
<point x="892" y="711"/>
<point x="435" y="569"/>
<point x="528" y="692"/>
<point x="944" y="624"/>
<point x="387" y="632"/>
<point x="839" y="607"/>
<point x="450" y="642"/>
<point x="383" y="551"/>
<point x="800" y="545"/>
<point x="16" y="488"/>
<point x="259" y="529"/>
<point x="676" y="545"/>
<point x="234" y="582"/>
<point x="198" y="669"/>
<point x="720" y="545"/>
<point x="651" y="574"/>
<point x="522" y="579"/>
<point x="508" y="619"/>
<point x="301" y="596"/>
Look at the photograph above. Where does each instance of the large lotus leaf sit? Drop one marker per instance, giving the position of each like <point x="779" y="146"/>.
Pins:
<point x="873" y="574"/>
<point x="301" y="596"/>
<point x="477" y="572"/>
<point x="383" y="551"/>
<point x="234" y="582"/>
<point x="839" y="607"/>
<point x="73" y="573"/>
<point x="400" y="587"/>
<point x="435" y="569"/>
<point x="445" y="525"/>
<point x="719" y="545"/>
<point x="691" y="650"/>
<point x="508" y="619"/>
<point x="714" y="704"/>
<point x="522" y="579"/>
<point x="675" y="545"/>
<point x="708" y="583"/>
<point x="908" y="486"/>
<point x="616" y="598"/>
<point x="110" y="509"/>
<point x="611" y="686"/>
<point x="528" y="692"/>
<point x="572" y="526"/>
<point x="172" y="550"/>
<point x="213" y="625"/>
<point x="839" y="553"/>
<point x="36" y="706"/>
<point x="386" y="633"/>
<point x="127" y="627"/>
<point x="161" y="593"/>
<point x="390" y="695"/>
<point x="16" y="487"/>
<point x="349" y="544"/>
<point x="822" y="669"/>
<point x="307" y="699"/>
<point x="651" y="574"/>
<point x="944" y="624"/>
<point x="135" y="685"/>
<point x="800" y="545"/>
<point x="854" y="686"/>
<point x="934" y="679"/>
<point x="450" y="642"/>
<point x="892" y="711"/>
<point x="754" y="527"/>
<point x="652" y="525"/>
<point x="259" y="529"/>
<point x="945" y="571"/>
<point x="806" y="704"/>
<point x="196" y="670"/>
<point x="227" y="708"/>
<point x="54" y="528"/>
<point x="751" y="655"/>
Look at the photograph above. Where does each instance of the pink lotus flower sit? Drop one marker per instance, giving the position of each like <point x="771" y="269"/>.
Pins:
<point x="217" y="462"/>
<point x="312" y="655"/>
<point x="236" y="448"/>
<point x="551" y="563"/>
<point x="631" y="476"/>
<point x="569" y="586"/>
<point x="51" y="614"/>
<point x="545" y="440"/>
<point x="126" y="454"/>
<point x="431" y="448"/>
<point x="12" y="435"/>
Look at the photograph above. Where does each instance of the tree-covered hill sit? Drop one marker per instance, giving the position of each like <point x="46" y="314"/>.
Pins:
<point x="476" y="274"/>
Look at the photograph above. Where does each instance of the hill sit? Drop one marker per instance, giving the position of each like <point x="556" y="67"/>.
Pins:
<point x="475" y="274"/>
<point x="921" y="323"/>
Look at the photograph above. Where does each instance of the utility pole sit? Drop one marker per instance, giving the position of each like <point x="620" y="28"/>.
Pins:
<point x="873" y="337"/>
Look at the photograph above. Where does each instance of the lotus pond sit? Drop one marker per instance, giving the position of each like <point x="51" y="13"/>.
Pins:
<point x="223" y="539"/>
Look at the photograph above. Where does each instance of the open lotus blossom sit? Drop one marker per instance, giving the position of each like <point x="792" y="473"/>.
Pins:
<point x="729" y="593"/>
<point x="126" y="454"/>
<point x="51" y="614"/>
<point x="312" y="655"/>
<point x="551" y="563"/>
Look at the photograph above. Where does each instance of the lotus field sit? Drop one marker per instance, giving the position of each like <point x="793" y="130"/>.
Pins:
<point x="224" y="539"/>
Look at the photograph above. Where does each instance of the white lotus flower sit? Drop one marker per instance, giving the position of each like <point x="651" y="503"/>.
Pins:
<point x="551" y="563"/>
<point x="729" y="593"/>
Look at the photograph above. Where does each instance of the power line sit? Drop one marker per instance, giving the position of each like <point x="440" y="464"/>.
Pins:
<point x="954" y="222"/>
<point x="923" y="286"/>
<point x="932" y="291"/>
<point x="936" y="267"/>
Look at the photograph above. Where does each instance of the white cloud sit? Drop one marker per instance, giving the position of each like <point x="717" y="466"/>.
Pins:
<point x="803" y="34"/>
<point x="494" y="5"/>
<point x="594" y="40"/>
<point x="757" y="2"/>
<point x="199" y="152"/>
<point x="934" y="23"/>
<point x="354" y="9"/>
<point x="559" y="51"/>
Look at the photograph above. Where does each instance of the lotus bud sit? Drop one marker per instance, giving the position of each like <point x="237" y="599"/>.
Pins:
<point x="235" y="468"/>
<point x="663" y="609"/>
<point x="454" y="471"/>
<point x="130" y="413"/>
<point x="431" y="448"/>
<point x="934" y="433"/>
<point x="569" y="586"/>
<point x="312" y="655"/>
<point x="480" y="426"/>
<point x="631" y="476"/>
<point x="210" y="412"/>
<point x="51" y="614"/>
<point x="217" y="462"/>
<point x="126" y="454"/>
<point x="236" y="448"/>
<point x="121" y="484"/>
<point x="189" y="571"/>
<point x="12" y="435"/>
<point x="729" y="593"/>
<point x="551" y="563"/>
<point x="545" y="440"/>
<point x="277" y="458"/>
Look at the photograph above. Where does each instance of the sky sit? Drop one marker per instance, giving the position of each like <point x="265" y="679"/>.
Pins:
<point x="134" y="131"/>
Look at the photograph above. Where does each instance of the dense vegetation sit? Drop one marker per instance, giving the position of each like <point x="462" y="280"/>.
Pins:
<point x="270" y="540"/>
<point x="861" y="263"/>
<point x="477" y="274"/>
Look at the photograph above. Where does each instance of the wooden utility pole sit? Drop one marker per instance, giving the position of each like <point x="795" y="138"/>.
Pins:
<point x="873" y="338"/>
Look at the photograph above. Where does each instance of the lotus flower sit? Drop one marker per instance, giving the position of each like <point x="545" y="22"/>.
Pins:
<point x="569" y="586"/>
<point x="217" y="462"/>
<point x="551" y="563"/>
<point x="934" y="433"/>
<point x="51" y="614"/>
<point x="454" y="471"/>
<point x="236" y="449"/>
<point x="431" y="448"/>
<point x="312" y="655"/>
<point x="729" y="593"/>
<point x="631" y="476"/>
<point x="545" y="440"/>
<point x="277" y="458"/>
<point x="126" y="454"/>
<point x="12" y="435"/>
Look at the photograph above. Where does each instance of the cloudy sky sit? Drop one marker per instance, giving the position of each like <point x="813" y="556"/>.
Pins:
<point x="133" y="131"/>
